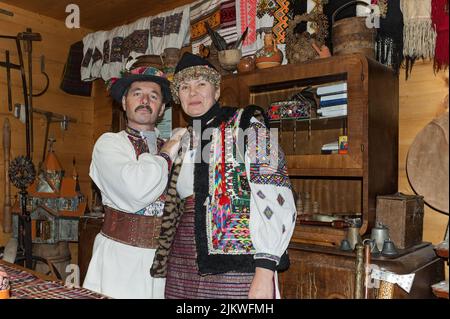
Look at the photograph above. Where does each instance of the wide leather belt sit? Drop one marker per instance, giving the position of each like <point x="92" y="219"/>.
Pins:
<point x="131" y="229"/>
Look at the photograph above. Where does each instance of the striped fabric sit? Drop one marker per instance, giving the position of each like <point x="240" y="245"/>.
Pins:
<point x="24" y="285"/>
<point x="183" y="280"/>
<point x="220" y="16"/>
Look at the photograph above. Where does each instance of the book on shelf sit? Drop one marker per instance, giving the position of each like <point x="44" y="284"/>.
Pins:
<point x="332" y="115"/>
<point x="326" y="152"/>
<point x="333" y="146"/>
<point x="337" y="111"/>
<point x="333" y="97"/>
<point x="340" y="107"/>
<point x="332" y="89"/>
<point x="333" y="102"/>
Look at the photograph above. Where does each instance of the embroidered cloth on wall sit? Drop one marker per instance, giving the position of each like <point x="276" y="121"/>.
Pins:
<point x="105" y="53"/>
<point x="439" y="16"/>
<point x="220" y="16"/>
<point x="71" y="80"/>
<point x="259" y="17"/>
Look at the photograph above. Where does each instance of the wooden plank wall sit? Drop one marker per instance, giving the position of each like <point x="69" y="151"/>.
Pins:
<point x="421" y="99"/>
<point x="77" y="140"/>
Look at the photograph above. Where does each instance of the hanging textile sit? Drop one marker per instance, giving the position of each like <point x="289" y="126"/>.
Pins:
<point x="203" y="11"/>
<point x="228" y="27"/>
<point x="105" y="53"/>
<point x="71" y="80"/>
<point x="439" y="17"/>
<point x="389" y="41"/>
<point x="419" y="37"/>
<point x="280" y="22"/>
<point x="258" y="16"/>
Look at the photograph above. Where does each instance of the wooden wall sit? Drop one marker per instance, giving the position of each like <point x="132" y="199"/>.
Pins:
<point x="421" y="99"/>
<point x="77" y="141"/>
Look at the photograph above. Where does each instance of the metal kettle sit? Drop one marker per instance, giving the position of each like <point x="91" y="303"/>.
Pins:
<point x="379" y="234"/>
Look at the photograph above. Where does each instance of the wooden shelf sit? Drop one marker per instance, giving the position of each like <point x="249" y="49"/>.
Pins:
<point x="328" y="173"/>
<point x="337" y="182"/>
<point x="325" y="118"/>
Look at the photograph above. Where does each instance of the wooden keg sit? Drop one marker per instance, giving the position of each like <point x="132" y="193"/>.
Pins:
<point x="58" y="254"/>
<point x="351" y="35"/>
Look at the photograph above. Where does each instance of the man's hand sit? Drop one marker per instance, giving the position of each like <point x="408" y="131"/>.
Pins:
<point x="172" y="146"/>
<point x="262" y="286"/>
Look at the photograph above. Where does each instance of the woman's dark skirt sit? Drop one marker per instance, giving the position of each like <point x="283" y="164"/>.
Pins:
<point x="183" y="280"/>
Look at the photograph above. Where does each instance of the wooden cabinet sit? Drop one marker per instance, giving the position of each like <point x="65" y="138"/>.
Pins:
<point x="344" y="184"/>
<point x="327" y="273"/>
<point x="340" y="184"/>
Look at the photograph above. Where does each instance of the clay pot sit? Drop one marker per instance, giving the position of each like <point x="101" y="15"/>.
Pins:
<point x="268" y="56"/>
<point x="247" y="64"/>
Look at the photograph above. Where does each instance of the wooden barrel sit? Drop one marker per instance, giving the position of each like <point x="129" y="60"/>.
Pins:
<point x="351" y="35"/>
<point x="58" y="254"/>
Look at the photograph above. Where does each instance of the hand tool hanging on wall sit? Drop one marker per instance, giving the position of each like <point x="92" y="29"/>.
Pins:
<point x="7" y="198"/>
<point x="28" y="37"/>
<point x="8" y="80"/>
<point x="50" y="117"/>
<point x="21" y="171"/>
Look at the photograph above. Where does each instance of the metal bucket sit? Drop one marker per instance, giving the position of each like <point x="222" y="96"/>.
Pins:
<point x="58" y="254"/>
<point x="351" y="35"/>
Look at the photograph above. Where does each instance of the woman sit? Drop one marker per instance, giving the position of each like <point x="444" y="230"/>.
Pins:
<point x="239" y="212"/>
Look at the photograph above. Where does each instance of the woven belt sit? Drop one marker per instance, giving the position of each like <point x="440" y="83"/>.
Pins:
<point x="131" y="229"/>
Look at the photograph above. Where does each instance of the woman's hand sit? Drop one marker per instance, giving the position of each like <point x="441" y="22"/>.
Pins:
<point x="262" y="286"/>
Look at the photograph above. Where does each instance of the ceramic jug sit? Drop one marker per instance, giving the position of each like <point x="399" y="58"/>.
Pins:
<point x="269" y="55"/>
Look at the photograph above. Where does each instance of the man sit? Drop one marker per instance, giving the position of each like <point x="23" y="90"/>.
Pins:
<point x="131" y="170"/>
<point x="239" y="212"/>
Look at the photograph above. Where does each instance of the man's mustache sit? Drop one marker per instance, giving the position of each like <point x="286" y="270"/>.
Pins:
<point x="142" y="106"/>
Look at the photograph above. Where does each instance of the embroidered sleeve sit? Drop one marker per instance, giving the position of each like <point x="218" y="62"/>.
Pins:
<point x="167" y="158"/>
<point x="128" y="182"/>
<point x="272" y="205"/>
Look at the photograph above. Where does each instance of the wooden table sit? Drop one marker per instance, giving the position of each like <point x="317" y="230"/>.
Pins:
<point x="28" y="284"/>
